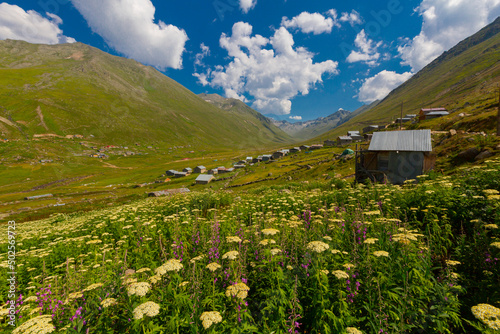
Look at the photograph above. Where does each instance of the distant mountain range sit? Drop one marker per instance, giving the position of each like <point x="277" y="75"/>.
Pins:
<point x="313" y="128"/>
<point x="299" y="131"/>
<point x="69" y="89"/>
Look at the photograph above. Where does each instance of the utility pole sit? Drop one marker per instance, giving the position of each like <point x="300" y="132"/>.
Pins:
<point x="498" y="112"/>
<point x="401" y="119"/>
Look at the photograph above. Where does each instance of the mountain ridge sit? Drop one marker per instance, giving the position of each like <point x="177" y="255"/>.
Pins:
<point x="464" y="79"/>
<point x="80" y="89"/>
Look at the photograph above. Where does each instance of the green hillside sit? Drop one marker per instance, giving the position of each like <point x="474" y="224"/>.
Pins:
<point x="76" y="89"/>
<point x="237" y="107"/>
<point x="464" y="80"/>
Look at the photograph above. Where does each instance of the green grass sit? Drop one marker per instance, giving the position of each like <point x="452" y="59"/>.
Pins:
<point x="118" y="101"/>
<point x="322" y="257"/>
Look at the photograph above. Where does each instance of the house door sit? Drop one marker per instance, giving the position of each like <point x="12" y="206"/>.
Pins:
<point x="405" y="166"/>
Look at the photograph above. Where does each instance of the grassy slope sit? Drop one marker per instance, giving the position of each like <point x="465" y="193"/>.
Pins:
<point x="117" y="100"/>
<point x="464" y="79"/>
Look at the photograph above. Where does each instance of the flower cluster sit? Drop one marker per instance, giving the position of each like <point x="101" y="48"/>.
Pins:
<point x="488" y="314"/>
<point x="270" y="231"/>
<point x="213" y="266"/>
<point x="317" y="246"/>
<point x="381" y="253"/>
<point x="170" y="265"/>
<point x="197" y="258"/>
<point x="234" y="239"/>
<point x="209" y="318"/>
<point x="148" y="308"/>
<point x="139" y="289"/>
<point x="370" y="240"/>
<point x="340" y="274"/>
<point x="353" y="330"/>
<point x="108" y="302"/>
<point x="231" y="255"/>
<point x="452" y="263"/>
<point x="265" y="242"/>
<point x="92" y="287"/>
<point x="239" y="290"/>
<point x="38" y="325"/>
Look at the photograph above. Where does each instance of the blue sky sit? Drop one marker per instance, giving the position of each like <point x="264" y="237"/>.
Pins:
<point x="287" y="59"/>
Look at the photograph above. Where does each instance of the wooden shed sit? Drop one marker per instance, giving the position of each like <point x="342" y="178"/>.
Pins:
<point x="395" y="156"/>
<point x="278" y="154"/>
<point x="329" y="142"/>
<point x="200" y="169"/>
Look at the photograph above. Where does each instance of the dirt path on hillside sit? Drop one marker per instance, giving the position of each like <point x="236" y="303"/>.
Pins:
<point x="6" y="121"/>
<point x="113" y="166"/>
<point x="40" y="115"/>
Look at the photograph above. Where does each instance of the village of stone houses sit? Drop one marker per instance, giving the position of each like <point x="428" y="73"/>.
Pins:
<point x="128" y="204"/>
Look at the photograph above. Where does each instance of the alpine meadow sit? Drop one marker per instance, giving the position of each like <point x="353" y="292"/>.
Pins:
<point x="250" y="167"/>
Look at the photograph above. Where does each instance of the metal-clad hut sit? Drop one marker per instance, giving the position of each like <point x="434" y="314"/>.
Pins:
<point x="316" y="146"/>
<point x="180" y="174"/>
<point x="370" y="128"/>
<point x="187" y="170"/>
<point x="168" y="192"/>
<point x="396" y="156"/>
<point x="204" y="179"/>
<point x="295" y="150"/>
<point x="343" y="140"/>
<point x="435" y="112"/>
<point x="171" y="172"/>
<point x="214" y="171"/>
<point x="266" y="157"/>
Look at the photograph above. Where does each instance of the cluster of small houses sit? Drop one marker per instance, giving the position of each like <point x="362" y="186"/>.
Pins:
<point x="207" y="175"/>
<point x="356" y="136"/>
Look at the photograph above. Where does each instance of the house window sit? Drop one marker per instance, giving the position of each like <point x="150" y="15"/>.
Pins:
<point x="383" y="161"/>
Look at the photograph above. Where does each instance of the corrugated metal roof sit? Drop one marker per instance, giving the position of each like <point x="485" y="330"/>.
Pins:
<point x="433" y="109"/>
<point x="205" y="177"/>
<point x="345" y="138"/>
<point x="409" y="140"/>
<point x="438" y="113"/>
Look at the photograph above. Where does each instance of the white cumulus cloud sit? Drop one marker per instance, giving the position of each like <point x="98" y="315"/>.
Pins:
<point x="205" y="51"/>
<point x="381" y="84"/>
<point x="30" y="26"/>
<point x="295" y="118"/>
<point x="128" y="27"/>
<point x="246" y="5"/>
<point x="368" y="50"/>
<point x="445" y="23"/>
<point x="314" y="23"/>
<point x="270" y="70"/>
<point x="352" y="18"/>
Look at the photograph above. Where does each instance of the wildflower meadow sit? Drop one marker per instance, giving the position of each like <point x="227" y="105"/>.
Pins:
<point x="325" y="257"/>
